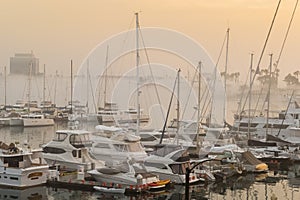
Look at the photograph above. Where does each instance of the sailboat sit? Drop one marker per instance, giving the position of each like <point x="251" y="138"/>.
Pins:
<point x="282" y="125"/>
<point x="32" y="119"/>
<point x="110" y="114"/>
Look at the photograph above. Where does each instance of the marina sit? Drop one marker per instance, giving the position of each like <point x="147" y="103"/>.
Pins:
<point x="71" y="183"/>
<point x="149" y="114"/>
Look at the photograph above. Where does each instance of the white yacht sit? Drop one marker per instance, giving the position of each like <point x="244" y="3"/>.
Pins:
<point x="123" y="174"/>
<point x="118" y="147"/>
<point x="69" y="150"/>
<point x="171" y="162"/>
<point x="31" y="120"/>
<point x="284" y="124"/>
<point x="110" y="114"/>
<point x="18" y="169"/>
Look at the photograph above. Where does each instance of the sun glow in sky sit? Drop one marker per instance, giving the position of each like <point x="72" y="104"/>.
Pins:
<point x="57" y="31"/>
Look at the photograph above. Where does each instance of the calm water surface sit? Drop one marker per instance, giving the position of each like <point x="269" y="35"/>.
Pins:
<point x="278" y="185"/>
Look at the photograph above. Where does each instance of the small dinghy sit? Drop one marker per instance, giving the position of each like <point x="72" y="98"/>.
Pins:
<point x="159" y="184"/>
<point x="110" y="189"/>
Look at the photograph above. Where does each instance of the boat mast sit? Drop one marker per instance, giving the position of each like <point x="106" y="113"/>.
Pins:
<point x="137" y="75"/>
<point x="168" y="112"/>
<point x="178" y="105"/>
<point x="4" y="87"/>
<point x="44" y="85"/>
<point x="225" y="76"/>
<point x="71" y="111"/>
<point x="54" y="98"/>
<point x="87" y="86"/>
<point x="250" y="91"/>
<point x="29" y="87"/>
<point x="268" y="95"/>
<point x="198" y="108"/>
<point x="105" y="75"/>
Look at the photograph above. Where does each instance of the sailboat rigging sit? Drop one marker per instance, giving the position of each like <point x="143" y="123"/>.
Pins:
<point x="137" y="75"/>
<point x="168" y="112"/>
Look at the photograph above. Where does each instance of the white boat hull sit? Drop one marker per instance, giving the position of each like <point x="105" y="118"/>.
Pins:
<point x="120" y="178"/>
<point x="5" y="121"/>
<point x="16" y="122"/>
<point x="21" y="178"/>
<point x="110" y="190"/>
<point x="67" y="162"/>
<point x="37" y="122"/>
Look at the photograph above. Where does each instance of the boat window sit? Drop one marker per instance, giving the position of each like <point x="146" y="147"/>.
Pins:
<point x="102" y="145"/>
<point x="179" y="168"/>
<point x="176" y="168"/>
<point x="279" y="126"/>
<point x="148" y="138"/>
<point x="120" y="147"/>
<point x="76" y="153"/>
<point x="13" y="161"/>
<point x="135" y="147"/>
<point x="79" y="141"/>
<point x="246" y="124"/>
<point x="157" y="165"/>
<point x="281" y="116"/>
<point x="53" y="150"/>
<point x="60" y="137"/>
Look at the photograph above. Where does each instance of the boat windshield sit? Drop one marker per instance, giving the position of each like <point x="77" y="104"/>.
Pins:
<point x="179" y="168"/>
<point x="135" y="147"/>
<point x="60" y="136"/>
<point x="79" y="141"/>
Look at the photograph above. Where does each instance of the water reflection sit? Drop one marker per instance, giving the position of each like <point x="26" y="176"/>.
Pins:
<point x="35" y="193"/>
<point x="280" y="185"/>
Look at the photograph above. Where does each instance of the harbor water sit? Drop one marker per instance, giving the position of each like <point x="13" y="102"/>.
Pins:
<point x="272" y="185"/>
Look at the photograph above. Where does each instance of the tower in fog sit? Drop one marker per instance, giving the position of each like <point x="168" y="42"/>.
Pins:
<point x="22" y="62"/>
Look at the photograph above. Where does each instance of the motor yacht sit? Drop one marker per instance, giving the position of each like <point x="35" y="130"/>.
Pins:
<point x="118" y="147"/>
<point x="19" y="168"/>
<point x="171" y="163"/>
<point x="69" y="150"/>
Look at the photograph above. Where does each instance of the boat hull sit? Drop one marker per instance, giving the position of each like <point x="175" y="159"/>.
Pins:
<point x="37" y="122"/>
<point x="22" y="178"/>
<point x="110" y="190"/>
<point x="119" y="178"/>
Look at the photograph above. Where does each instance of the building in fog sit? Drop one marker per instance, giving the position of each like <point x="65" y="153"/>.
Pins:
<point x="22" y="62"/>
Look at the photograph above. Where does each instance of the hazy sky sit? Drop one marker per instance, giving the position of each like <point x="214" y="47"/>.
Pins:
<point x="60" y="30"/>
